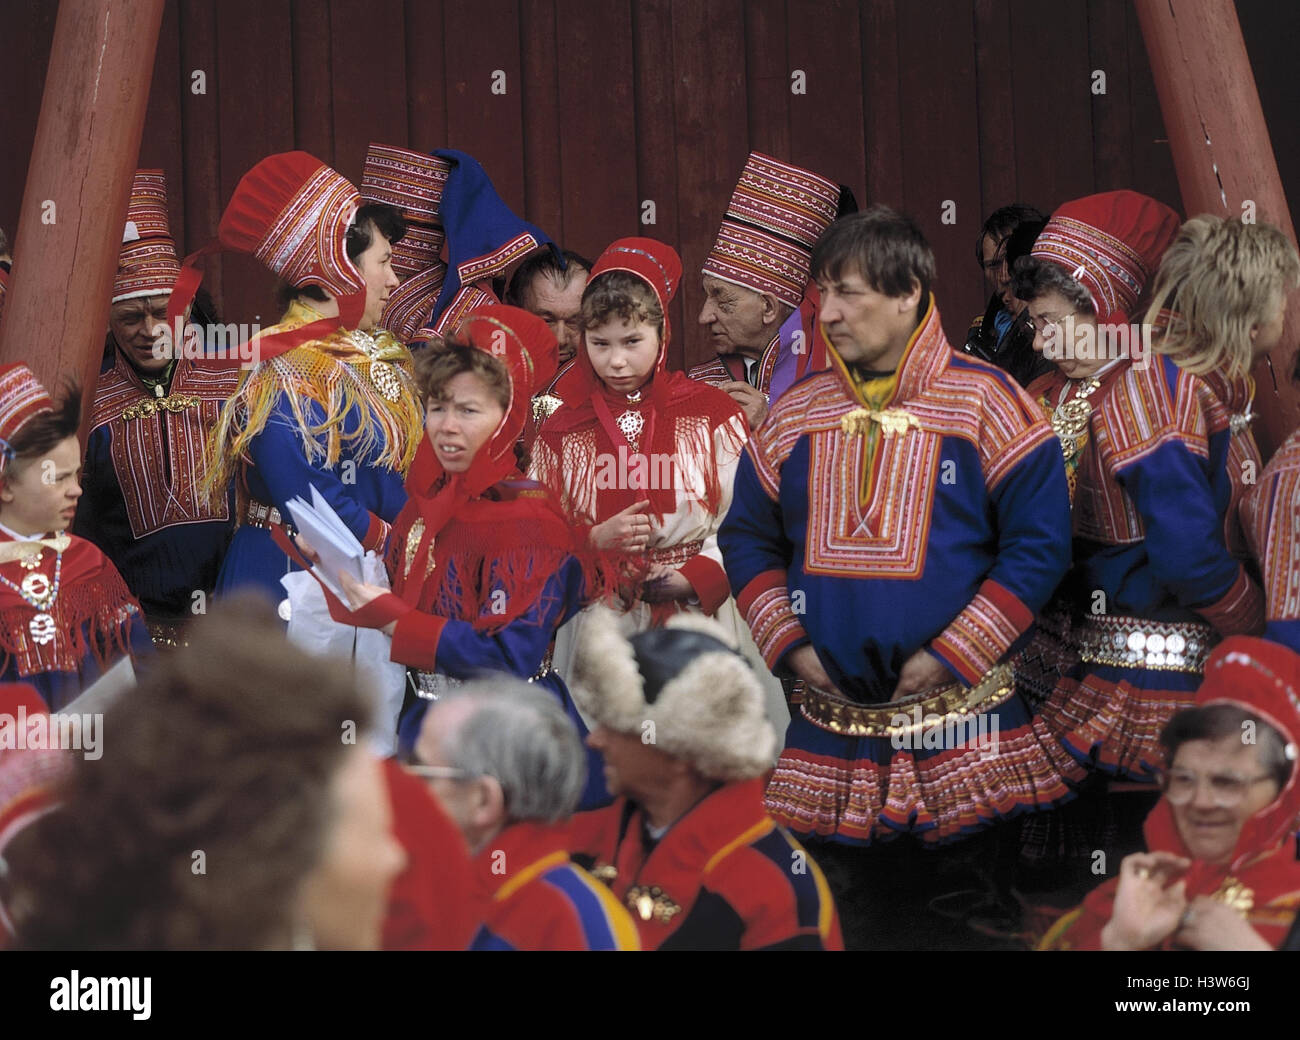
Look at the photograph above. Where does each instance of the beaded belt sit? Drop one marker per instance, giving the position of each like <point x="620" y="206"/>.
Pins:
<point x="1130" y="642"/>
<point x="261" y="515"/>
<point x="430" y="686"/>
<point x="675" y="554"/>
<point x="850" y="719"/>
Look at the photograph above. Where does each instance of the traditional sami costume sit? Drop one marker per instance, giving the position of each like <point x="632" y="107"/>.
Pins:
<point x="723" y="875"/>
<point x="774" y="218"/>
<point x="484" y="566"/>
<point x="1153" y="585"/>
<point x="326" y="405"/>
<point x="65" y="613"/>
<point x="141" y="501"/>
<point x="674" y="442"/>
<point x="857" y="527"/>
<point x="1261" y="879"/>
<point x="1271" y="516"/>
<point x="539" y="900"/>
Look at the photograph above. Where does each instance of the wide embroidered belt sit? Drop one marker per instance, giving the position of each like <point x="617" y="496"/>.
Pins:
<point x="850" y="719"/>
<point x="430" y="686"/>
<point x="1131" y="642"/>
<point x="259" y="514"/>
<point x="675" y="554"/>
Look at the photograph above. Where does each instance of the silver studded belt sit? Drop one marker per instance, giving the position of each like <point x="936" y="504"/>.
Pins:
<point x="1130" y="642"/>
<point x="430" y="686"/>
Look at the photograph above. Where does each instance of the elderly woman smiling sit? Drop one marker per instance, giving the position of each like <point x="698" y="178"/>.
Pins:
<point x="1218" y="874"/>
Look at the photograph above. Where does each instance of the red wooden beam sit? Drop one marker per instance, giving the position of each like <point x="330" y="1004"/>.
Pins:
<point x="1223" y="155"/>
<point x="78" y="182"/>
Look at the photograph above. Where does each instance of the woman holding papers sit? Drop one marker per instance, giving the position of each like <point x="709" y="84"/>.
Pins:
<point x="328" y="401"/>
<point x="65" y="613"/>
<point x="484" y="565"/>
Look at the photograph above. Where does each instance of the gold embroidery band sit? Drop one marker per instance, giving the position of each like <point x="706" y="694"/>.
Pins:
<point x="152" y="406"/>
<point x="849" y="719"/>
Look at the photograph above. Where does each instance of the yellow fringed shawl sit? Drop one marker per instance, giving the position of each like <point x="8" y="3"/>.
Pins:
<point x="334" y="373"/>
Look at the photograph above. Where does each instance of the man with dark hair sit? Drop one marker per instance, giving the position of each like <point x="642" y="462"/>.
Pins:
<point x="896" y="524"/>
<point x="755" y="276"/>
<point x="153" y="409"/>
<point x="1000" y="335"/>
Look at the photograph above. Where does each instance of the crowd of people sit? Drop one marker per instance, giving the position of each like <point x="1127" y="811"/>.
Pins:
<point x="845" y="638"/>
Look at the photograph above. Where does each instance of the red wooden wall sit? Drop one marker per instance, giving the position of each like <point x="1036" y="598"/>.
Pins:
<point x="609" y="103"/>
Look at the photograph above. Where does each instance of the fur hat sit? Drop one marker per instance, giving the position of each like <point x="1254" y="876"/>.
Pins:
<point x="689" y="680"/>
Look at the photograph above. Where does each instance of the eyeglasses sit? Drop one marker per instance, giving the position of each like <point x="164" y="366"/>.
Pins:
<point x="1226" y="789"/>
<point x="411" y="765"/>
<point x="1042" y="324"/>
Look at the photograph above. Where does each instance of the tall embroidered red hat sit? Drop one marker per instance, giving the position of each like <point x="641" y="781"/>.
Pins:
<point x="292" y="212"/>
<point x="146" y="263"/>
<point x="22" y="399"/>
<point x="776" y="214"/>
<point x="412" y="183"/>
<point x="1111" y="244"/>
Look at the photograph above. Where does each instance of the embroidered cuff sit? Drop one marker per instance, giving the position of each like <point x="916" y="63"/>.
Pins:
<point x="981" y="634"/>
<point x="376" y="534"/>
<point x="1240" y="610"/>
<point x="765" y="605"/>
<point x="709" y="581"/>
<point x="415" y="639"/>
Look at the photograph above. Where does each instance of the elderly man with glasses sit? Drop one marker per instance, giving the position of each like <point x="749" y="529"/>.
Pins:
<point x="508" y="766"/>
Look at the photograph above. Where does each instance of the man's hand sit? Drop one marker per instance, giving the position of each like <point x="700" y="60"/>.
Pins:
<point x="805" y="663"/>
<point x="628" y="529"/>
<point x="750" y="399"/>
<point x="664" y="584"/>
<point x="921" y="672"/>
<point x="1148" y="903"/>
<point x="359" y="593"/>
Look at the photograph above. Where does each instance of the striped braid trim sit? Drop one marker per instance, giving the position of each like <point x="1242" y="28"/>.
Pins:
<point x="983" y="633"/>
<point x="1271" y="515"/>
<point x="765" y="605"/>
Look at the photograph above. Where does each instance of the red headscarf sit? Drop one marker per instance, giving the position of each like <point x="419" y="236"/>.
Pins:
<point x="526" y="346"/>
<point x="588" y="402"/>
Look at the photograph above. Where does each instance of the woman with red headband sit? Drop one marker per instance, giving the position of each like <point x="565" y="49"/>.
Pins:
<point x="646" y="457"/>
<point x="484" y="566"/>
<point x="1218" y="872"/>
<point x="65" y="613"/>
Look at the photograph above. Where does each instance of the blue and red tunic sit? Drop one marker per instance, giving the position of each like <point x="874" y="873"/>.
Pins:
<point x="1270" y="514"/>
<point x="936" y="518"/>
<point x="537" y="899"/>
<point x="723" y="877"/>
<point x="1151" y="517"/>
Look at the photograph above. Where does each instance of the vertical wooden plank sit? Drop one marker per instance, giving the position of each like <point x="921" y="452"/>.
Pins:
<point x="28" y="30"/>
<point x="825" y="43"/>
<point x="656" y="144"/>
<point x="426" y="112"/>
<point x="313" y="80"/>
<point x="998" y="131"/>
<point x="1052" y="100"/>
<point x="1153" y="160"/>
<point x="1270" y="32"/>
<point x="368" y="79"/>
<point x="598" y="142"/>
<point x="160" y="146"/>
<point x="881" y="116"/>
<point x="712" y="137"/>
<point x="941" y="186"/>
<point x="201" y="135"/>
<point x="1109" y="55"/>
<point x="767" y="68"/>
<point x="543" y="182"/>
<point x="256" y="120"/>
<point x="485" y="124"/>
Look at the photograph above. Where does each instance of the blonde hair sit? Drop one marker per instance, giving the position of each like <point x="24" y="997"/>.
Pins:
<point x="1218" y="279"/>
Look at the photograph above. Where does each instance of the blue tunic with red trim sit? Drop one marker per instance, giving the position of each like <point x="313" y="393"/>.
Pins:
<point x="1271" y="516"/>
<point x="141" y="501"/>
<point x="539" y="900"/>
<point x="723" y="877"/>
<point x="1156" y="480"/>
<point x="941" y="523"/>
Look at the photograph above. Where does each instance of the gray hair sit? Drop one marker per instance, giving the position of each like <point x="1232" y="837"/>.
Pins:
<point x="520" y="735"/>
<point x="1034" y="277"/>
